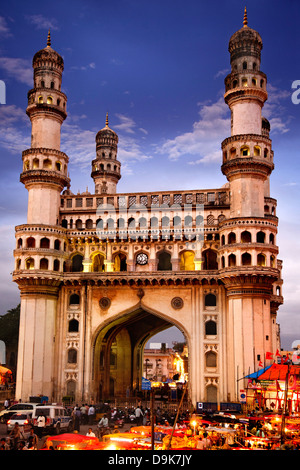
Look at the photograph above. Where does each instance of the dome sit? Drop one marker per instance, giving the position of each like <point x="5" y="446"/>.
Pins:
<point x="265" y="124"/>
<point x="46" y="55"/>
<point x="106" y="132"/>
<point x="245" y="41"/>
<point x="243" y="36"/>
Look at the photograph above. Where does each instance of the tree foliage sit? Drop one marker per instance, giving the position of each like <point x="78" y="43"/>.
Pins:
<point x="9" y="326"/>
<point x="178" y="346"/>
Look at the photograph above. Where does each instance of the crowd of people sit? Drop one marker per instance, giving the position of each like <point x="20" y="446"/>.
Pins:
<point x="97" y="420"/>
<point x="100" y="419"/>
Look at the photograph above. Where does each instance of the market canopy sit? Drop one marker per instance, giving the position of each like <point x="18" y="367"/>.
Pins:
<point x="5" y="371"/>
<point x="279" y="372"/>
<point x="256" y="375"/>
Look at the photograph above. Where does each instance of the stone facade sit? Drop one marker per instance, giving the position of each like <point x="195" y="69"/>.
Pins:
<point x="101" y="273"/>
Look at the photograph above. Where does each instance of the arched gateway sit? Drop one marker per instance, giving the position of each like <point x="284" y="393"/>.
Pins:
<point x="118" y="347"/>
<point x="100" y="273"/>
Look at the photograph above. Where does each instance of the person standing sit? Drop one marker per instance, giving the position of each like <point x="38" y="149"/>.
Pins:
<point x="83" y="410"/>
<point x="138" y="416"/>
<point x="91" y="414"/>
<point x="41" y="424"/>
<point x="77" y="418"/>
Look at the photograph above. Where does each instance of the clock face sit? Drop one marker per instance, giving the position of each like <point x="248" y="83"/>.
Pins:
<point x="142" y="258"/>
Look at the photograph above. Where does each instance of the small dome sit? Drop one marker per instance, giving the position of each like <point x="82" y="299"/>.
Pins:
<point x="106" y="132"/>
<point x="245" y="40"/>
<point x="49" y="55"/>
<point x="265" y="123"/>
<point x="245" y="35"/>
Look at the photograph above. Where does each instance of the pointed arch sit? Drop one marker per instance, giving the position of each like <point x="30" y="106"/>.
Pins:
<point x="76" y="262"/>
<point x="98" y="259"/>
<point x="187" y="261"/>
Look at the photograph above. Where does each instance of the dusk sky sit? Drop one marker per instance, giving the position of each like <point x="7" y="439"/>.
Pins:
<point x="158" y="69"/>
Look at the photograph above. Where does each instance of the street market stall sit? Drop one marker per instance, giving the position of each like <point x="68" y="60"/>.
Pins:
<point x="275" y="387"/>
<point x="70" y="441"/>
<point x="5" y="377"/>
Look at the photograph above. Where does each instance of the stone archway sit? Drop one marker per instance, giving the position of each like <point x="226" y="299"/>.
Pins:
<point x="118" y="352"/>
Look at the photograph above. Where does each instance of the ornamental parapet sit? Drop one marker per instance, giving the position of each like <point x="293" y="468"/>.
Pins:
<point x="245" y="138"/>
<point x="237" y="93"/>
<point x="152" y="278"/>
<point x="160" y="200"/>
<point x="44" y="176"/>
<point x="269" y="221"/>
<point x="45" y="151"/>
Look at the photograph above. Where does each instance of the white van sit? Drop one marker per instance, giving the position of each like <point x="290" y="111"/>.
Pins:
<point x="6" y="414"/>
<point x="57" y="418"/>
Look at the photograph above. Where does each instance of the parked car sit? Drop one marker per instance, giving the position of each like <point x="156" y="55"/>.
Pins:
<point x="18" y="408"/>
<point x="57" y="418"/>
<point x="24" y="421"/>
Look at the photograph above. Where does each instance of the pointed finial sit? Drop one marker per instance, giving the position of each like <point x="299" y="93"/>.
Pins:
<point x="49" y="39"/>
<point x="106" y="121"/>
<point x="245" y="22"/>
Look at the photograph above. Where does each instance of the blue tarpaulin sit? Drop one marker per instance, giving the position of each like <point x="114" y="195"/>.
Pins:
<point x="257" y="374"/>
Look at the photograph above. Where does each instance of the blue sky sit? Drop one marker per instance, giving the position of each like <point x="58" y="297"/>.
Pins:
<point x="158" y="69"/>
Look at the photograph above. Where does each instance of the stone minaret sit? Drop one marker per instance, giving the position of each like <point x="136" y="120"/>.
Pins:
<point x="247" y="154"/>
<point x="45" y="167"/>
<point x="248" y="250"/>
<point x="40" y="251"/>
<point x="105" y="167"/>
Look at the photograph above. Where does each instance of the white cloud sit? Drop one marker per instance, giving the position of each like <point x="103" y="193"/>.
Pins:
<point x="78" y="144"/>
<point x="42" y="22"/>
<point x="221" y="73"/>
<point x="127" y="124"/>
<point x="92" y="65"/>
<point x="144" y="131"/>
<point x="204" y="140"/>
<point x="14" y="129"/>
<point x="274" y="109"/>
<point x="17" y="68"/>
<point x="4" y="29"/>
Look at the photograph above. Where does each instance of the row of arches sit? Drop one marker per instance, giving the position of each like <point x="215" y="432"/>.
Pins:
<point x="248" y="82"/>
<point x="187" y="263"/>
<point x="247" y="259"/>
<point x="142" y="223"/>
<point x="107" y="154"/>
<point x="42" y="263"/>
<point x="164" y="261"/>
<point x="105" y="167"/>
<point x="48" y="99"/>
<point x="246" y="151"/>
<point x="44" y="243"/>
<point x="44" y="164"/>
<point x="245" y="65"/>
<point x="247" y="237"/>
